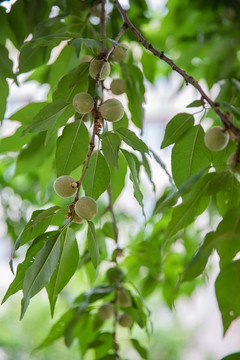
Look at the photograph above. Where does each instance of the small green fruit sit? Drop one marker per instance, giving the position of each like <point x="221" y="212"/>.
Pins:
<point x="120" y="53"/>
<point x="216" y="138"/>
<point x="106" y="311"/>
<point x="86" y="58"/>
<point x="95" y="66"/>
<point x="86" y="208"/>
<point x="63" y="186"/>
<point x="124" y="298"/>
<point x="233" y="164"/>
<point x="83" y="103"/>
<point x="125" y="320"/>
<point x="118" y="86"/>
<point x="77" y="219"/>
<point x="112" y="110"/>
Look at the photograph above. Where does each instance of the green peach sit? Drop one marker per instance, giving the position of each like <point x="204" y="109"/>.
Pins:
<point x="63" y="186"/>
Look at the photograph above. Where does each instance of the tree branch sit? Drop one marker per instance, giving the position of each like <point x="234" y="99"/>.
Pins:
<point x="108" y="53"/>
<point x="93" y="9"/>
<point x="189" y="79"/>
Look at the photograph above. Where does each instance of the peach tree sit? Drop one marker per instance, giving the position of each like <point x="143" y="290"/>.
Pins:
<point x="72" y="153"/>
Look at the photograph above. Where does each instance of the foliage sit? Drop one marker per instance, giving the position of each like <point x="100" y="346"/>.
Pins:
<point x="54" y="140"/>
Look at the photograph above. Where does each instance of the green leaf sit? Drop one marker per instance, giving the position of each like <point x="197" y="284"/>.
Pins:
<point x="93" y="244"/>
<point x="89" y="43"/>
<point x="121" y="123"/>
<point x="72" y="147"/>
<point x="228" y="282"/>
<point x="228" y="236"/>
<point x="189" y="155"/>
<point x="176" y="127"/>
<point x="39" y="222"/>
<point x="40" y="272"/>
<point x="185" y="213"/>
<point x="235" y="356"/>
<point x="134" y="177"/>
<point x="14" y="142"/>
<point x="31" y="58"/>
<point x="67" y="265"/>
<point x="108" y="230"/>
<point x="28" y="112"/>
<point x="140" y="349"/>
<point x="58" y="329"/>
<point x="232" y="109"/>
<point x="4" y="91"/>
<point x="186" y="187"/>
<point x="97" y="177"/>
<point x="130" y="138"/>
<point x="230" y="195"/>
<point x="226" y="240"/>
<point x="36" y="246"/>
<point x="110" y="147"/>
<point x="6" y="64"/>
<point x="74" y="82"/>
<point x="47" y="116"/>
<point x="118" y="177"/>
<point x="197" y="264"/>
<point x="195" y="103"/>
<point x="31" y="157"/>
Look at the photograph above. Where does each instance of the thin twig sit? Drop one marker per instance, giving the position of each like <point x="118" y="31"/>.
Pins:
<point x="93" y="9"/>
<point x="108" y="53"/>
<point x="189" y="79"/>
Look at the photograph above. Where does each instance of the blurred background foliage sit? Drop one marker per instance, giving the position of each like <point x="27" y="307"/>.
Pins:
<point x="203" y="39"/>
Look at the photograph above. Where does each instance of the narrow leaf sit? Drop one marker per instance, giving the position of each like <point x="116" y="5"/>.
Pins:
<point x="47" y="116"/>
<point x="97" y="177"/>
<point x="189" y="155"/>
<point x="68" y="262"/>
<point x="228" y="282"/>
<point x="6" y="65"/>
<point x="72" y="83"/>
<point x="4" y="91"/>
<point x="110" y="147"/>
<point x="195" y="103"/>
<point x="93" y="244"/>
<point x="28" y="112"/>
<point x="17" y="283"/>
<point x="40" y="272"/>
<point x="72" y="147"/>
<point x="134" y="177"/>
<point x="177" y="127"/>
<point x="130" y="138"/>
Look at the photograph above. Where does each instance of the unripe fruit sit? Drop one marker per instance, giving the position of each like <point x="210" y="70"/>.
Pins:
<point x="125" y="320"/>
<point x="63" y="186"/>
<point x="86" y="208"/>
<point x="120" y="53"/>
<point x="118" y="86"/>
<point x="86" y="58"/>
<point x="83" y="103"/>
<point x="233" y="164"/>
<point x="216" y="138"/>
<point x="77" y="219"/>
<point x="112" y="110"/>
<point x="124" y="298"/>
<point x="106" y="311"/>
<point x="95" y="66"/>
